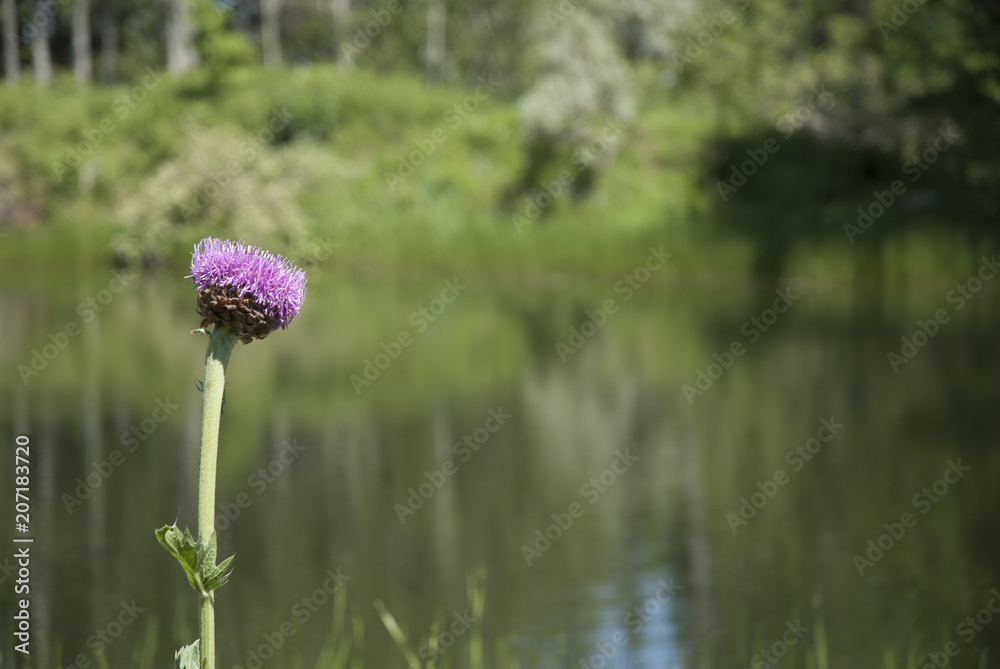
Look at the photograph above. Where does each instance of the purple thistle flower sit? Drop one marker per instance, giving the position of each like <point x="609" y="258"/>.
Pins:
<point x="245" y="288"/>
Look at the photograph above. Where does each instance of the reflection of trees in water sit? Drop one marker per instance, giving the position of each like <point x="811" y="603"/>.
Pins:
<point x="699" y="552"/>
<point x="580" y="412"/>
<point x="444" y="502"/>
<point x="97" y="506"/>
<point x="333" y="507"/>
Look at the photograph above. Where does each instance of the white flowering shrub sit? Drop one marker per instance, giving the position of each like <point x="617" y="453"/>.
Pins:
<point x="226" y="181"/>
<point x="583" y="83"/>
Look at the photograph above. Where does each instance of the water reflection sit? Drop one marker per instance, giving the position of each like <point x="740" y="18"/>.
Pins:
<point x="648" y="573"/>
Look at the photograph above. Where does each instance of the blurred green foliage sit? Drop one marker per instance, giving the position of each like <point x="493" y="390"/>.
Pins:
<point x="477" y="172"/>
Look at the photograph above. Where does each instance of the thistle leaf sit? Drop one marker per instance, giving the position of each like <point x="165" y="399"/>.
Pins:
<point x="183" y="547"/>
<point x="197" y="559"/>
<point x="216" y="576"/>
<point x="188" y="657"/>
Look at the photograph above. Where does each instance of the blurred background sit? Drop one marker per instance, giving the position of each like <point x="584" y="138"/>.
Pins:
<point x="638" y="334"/>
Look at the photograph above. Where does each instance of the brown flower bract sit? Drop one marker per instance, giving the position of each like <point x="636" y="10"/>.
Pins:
<point x="224" y="306"/>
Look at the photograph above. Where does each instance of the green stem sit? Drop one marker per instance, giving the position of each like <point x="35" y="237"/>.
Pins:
<point x="220" y="346"/>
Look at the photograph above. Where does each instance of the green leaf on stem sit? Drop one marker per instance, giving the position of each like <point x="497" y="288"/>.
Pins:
<point x="183" y="547"/>
<point x="197" y="558"/>
<point x="188" y="657"/>
<point x="217" y="575"/>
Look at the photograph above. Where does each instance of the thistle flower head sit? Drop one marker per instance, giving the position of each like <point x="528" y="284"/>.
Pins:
<point x="245" y="288"/>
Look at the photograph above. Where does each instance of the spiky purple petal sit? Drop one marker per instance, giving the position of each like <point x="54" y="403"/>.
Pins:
<point x="269" y="280"/>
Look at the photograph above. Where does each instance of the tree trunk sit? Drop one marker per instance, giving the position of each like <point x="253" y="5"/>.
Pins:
<point x="270" y="31"/>
<point x="435" y="41"/>
<point x="181" y="54"/>
<point x="11" y="41"/>
<point x="109" y="41"/>
<point x="83" y="67"/>
<point x="41" y="57"/>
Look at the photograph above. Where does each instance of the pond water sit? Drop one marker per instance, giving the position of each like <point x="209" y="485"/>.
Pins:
<point x="702" y="477"/>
